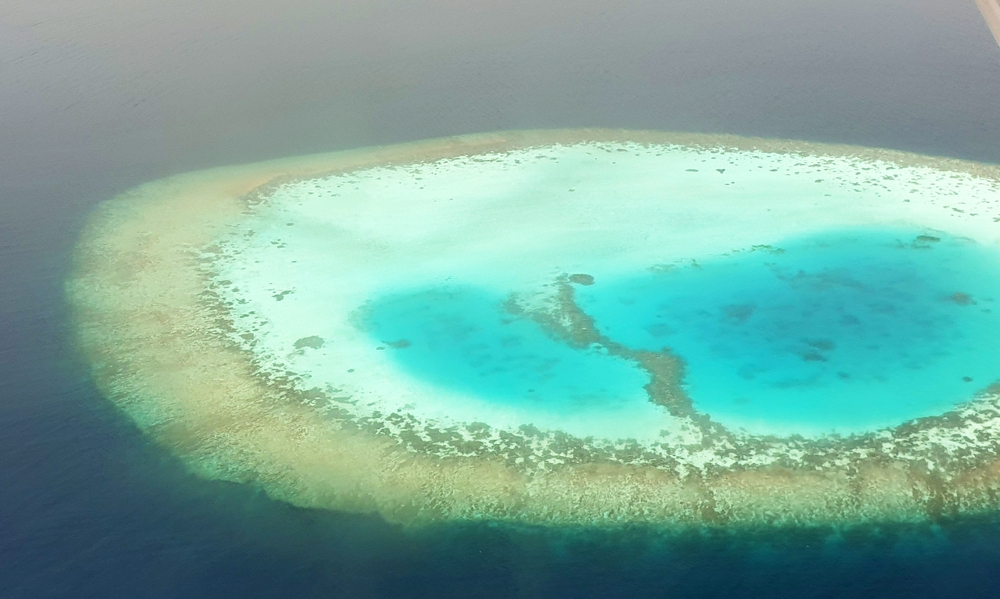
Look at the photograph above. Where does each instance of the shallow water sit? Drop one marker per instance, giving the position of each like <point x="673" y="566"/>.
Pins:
<point x="700" y="253"/>
<point x="466" y="339"/>
<point x="841" y="332"/>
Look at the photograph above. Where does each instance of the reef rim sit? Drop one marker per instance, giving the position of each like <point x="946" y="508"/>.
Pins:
<point x="150" y="333"/>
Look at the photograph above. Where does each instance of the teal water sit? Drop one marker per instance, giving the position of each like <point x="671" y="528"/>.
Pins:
<point x="463" y="338"/>
<point x="842" y="332"/>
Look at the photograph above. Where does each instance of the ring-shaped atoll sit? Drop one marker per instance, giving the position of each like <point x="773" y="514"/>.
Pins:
<point x="298" y="324"/>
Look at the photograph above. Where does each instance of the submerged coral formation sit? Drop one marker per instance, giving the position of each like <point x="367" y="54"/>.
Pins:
<point x="229" y="313"/>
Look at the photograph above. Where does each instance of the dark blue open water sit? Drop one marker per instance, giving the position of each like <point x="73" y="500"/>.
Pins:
<point x="97" y="96"/>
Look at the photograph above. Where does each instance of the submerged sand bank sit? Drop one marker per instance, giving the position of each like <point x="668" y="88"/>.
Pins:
<point x="153" y="337"/>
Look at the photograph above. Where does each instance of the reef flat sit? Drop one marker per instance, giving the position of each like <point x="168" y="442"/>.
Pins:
<point x="230" y="313"/>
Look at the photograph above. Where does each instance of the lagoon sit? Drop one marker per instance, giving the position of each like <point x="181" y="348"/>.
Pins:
<point x="838" y="332"/>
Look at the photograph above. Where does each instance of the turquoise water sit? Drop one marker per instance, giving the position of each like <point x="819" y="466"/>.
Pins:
<point x="842" y="331"/>
<point x="464" y="338"/>
<point x="838" y="332"/>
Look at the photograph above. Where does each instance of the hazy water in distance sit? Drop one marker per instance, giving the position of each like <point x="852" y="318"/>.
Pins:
<point x="100" y="95"/>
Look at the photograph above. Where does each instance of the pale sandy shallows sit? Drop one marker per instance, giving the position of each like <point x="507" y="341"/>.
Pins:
<point x="138" y="294"/>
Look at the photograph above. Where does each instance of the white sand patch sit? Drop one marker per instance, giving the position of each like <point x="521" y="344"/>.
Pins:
<point x="316" y="250"/>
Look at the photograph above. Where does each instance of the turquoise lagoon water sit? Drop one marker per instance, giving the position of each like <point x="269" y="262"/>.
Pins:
<point x="464" y="338"/>
<point x="842" y="331"/>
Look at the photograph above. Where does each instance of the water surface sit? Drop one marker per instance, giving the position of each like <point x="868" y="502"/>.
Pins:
<point x="842" y="331"/>
<point x="99" y="96"/>
<point x="838" y="332"/>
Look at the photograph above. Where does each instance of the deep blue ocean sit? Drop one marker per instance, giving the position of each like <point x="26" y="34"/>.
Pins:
<point x="98" y="96"/>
